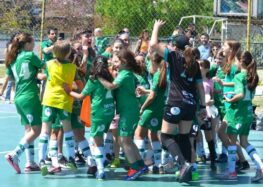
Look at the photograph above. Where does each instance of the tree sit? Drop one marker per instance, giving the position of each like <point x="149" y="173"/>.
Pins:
<point x="140" y="14"/>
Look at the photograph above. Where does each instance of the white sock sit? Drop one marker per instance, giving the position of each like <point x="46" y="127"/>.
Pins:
<point x="200" y="148"/>
<point x="42" y="145"/>
<point x="164" y="157"/>
<point x="84" y="147"/>
<point x="98" y="153"/>
<point x="251" y="151"/>
<point x="141" y="146"/>
<point x="157" y="150"/>
<point x="20" y="148"/>
<point x="70" y="145"/>
<point x="231" y="160"/>
<point x="108" y="143"/>
<point x="53" y="152"/>
<point x="91" y="159"/>
<point x="30" y="153"/>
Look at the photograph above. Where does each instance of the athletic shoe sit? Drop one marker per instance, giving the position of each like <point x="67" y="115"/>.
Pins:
<point x="31" y="167"/>
<point x="92" y="170"/>
<point x="13" y="161"/>
<point x="155" y="170"/>
<point x="228" y="176"/>
<point x="213" y="166"/>
<point x="258" y="176"/>
<point x="222" y="158"/>
<point x="134" y="174"/>
<point x="62" y="161"/>
<point x="100" y="176"/>
<point x="244" y="165"/>
<point x="48" y="160"/>
<point x="71" y="164"/>
<point x="195" y="176"/>
<point x="185" y="173"/>
<point x="53" y="170"/>
<point x="116" y="163"/>
<point x="109" y="157"/>
<point x="43" y="168"/>
<point x="79" y="159"/>
<point x="201" y="159"/>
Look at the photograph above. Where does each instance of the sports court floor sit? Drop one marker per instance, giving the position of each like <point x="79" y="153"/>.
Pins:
<point x="11" y="131"/>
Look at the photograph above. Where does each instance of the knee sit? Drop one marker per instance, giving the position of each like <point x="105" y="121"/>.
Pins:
<point x="167" y="140"/>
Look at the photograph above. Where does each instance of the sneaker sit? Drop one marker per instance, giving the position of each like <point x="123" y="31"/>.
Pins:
<point x="244" y="165"/>
<point x="134" y="174"/>
<point x="48" y="160"/>
<point x="228" y="176"/>
<point x="222" y="158"/>
<point x="258" y="176"/>
<point x="185" y="173"/>
<point x="100" y="176"/>
<point x="53" y="170"/>
<point x="43" y="168"/>
<point x="92" y="170"/>
<point x="201" y="159"/>
<point x="213" y="166"/>
<point x="195" y="176"/>
<point x="109" y="157"/>
<point x="13" y="161"/>
<point x="155" y="170"/>
<point x="31" y="167"/>
<point x="79" y="159"/>
<point x="116" y="163"/>
<point x="62" y="161"/>
<point x="71" y="164"/>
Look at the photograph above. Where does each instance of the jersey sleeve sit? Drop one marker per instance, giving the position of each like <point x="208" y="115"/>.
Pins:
<point x="119" y="80"/>
<point x="239" y="86"/>
<point x="89" y="87"/>
<point x="35" y="60"/>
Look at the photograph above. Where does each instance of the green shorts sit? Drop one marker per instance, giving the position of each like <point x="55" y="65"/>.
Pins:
<point x="56" y="124"/>
<point x="29" y="109"/>
<point x="76" y="122"/>
<point x="49" y="114"/>
<point x="238" y="129"/>
<point x="99" y="127"/>
<point x="151" y="120"/>
<point x="127" y="124"/>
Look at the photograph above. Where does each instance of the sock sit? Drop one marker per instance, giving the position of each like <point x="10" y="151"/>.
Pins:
<point x="30" y="153"/>
<point x="20" y="148"/>
<point x="69" y="141"/>
<point x="157" y="150"/>
<point x="98" y="153"/>
<point x="185" y="146"/>
<point x="53" y="152"/>
<point x="164" y="157"/>
<point x="84" y="147"/>
<point x="231" y="160"/>
<point x="200" y="148"/>
<point x="141" y="146"/>
<point x="108" y="143"/>
<point x="211" y="146"/>
<point x="224" y="150"/>
<point x="251" y="151"/>
<point x="42" y="145"/>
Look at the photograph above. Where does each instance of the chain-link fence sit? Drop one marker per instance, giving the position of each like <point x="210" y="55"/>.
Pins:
<point x="113" y="15"/>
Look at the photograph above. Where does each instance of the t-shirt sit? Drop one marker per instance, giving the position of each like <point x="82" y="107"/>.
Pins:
<point x="126" y="100"/>
<point x="101" y="44"/>
<point x="102" y="102"/>
<point x="181" y="87"/>
<point x="204" y="51"/>
<point x="46" y="56"/>
<point x="59" y="73"/>
<point x="142" y="80"/>
<point x="24" y="70"/>
<point x="241" y="112"/>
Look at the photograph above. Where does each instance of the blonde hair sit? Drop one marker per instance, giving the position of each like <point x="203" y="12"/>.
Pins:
<point x="61" y="50"/>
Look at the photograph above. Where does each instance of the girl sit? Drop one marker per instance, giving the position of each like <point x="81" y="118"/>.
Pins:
<point x="184" y="77"/>
<point x="128" y="109"/>
<point x="55" y="103"/>
<point x="239" y="117"/>
<point x="151" y="111"/>
<point x="102" y="105"/>
<point x="143" y="43"/>
<point x="23" y="65"/>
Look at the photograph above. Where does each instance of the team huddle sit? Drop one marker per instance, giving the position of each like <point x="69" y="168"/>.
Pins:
<point x="148" y="107"/>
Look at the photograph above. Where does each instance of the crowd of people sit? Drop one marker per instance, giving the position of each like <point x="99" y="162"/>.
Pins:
<point x="151" y="106"/>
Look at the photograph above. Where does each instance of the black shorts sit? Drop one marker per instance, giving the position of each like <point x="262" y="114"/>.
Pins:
<point x="175" y="114"/>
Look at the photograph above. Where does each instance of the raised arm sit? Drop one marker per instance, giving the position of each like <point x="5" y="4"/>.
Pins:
<point x="108" y="85"/>
<point x="154" y="44"/>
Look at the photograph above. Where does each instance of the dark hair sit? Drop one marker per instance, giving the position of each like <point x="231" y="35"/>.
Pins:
<point x="142" y="33"/>
<point x="156" y="58"/>
<point x="205" y="64"/>
<point x="250" y="64"/>
<point x="205" y="34"/>
<point x="128" y="59"/>
<point x="235" y="47"/>
<point x="191" y="65"/>
<point x="197" y="53"/>
<point x="17" y="44"/>
<point x="100" y="69"/>
<point x="51" y="29"/>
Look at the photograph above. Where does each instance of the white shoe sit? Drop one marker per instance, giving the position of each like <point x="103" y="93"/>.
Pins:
<point x="258" y="176"/>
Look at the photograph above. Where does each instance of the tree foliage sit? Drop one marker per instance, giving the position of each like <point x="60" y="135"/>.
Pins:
<point x="140" y="14"/>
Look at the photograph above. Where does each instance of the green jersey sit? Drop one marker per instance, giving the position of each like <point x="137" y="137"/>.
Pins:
<point x="101" y="44"/>
<point x="125" y="94"/>
<point x="229" y="78"/>
<point x="102" y="103"/>
<point x="241" y="112"/>
<point x="46" y="56"/>
<point x="24" y="70"/>
<point x="142" y="80"/>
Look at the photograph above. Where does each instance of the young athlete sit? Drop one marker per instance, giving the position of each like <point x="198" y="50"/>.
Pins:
<point x="239" y="117"/>
<point x="128" y="109"/>
<point x="103" y="109"/>
<point x="23" y="65"/>
<point x="56" y="102"/>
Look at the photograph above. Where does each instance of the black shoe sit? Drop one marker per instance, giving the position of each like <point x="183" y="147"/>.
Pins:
<point x="62" y="161"/>
<point x="48" y="160"/>
<point x="244" y="165"/>
<point x="109" y="157"/>
<point x="185" y="173"/>
<point x="79" y="159"/>
<point x="213" y="166"/>
<point x="222" y="158"/>
<point x="71" y="164"/>
<point x="92" y="170"/>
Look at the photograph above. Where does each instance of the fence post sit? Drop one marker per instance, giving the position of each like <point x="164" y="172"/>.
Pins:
<point x="42" y="27"/>
<point x="248" y="25"/>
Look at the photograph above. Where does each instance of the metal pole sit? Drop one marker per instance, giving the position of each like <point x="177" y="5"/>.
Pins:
<point x="248" y="24"/>
<point x="42" y="26"/>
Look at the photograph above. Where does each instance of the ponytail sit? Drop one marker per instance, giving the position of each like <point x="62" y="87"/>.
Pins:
<point x="162" y="78"/>
<point x="191" y="65"/>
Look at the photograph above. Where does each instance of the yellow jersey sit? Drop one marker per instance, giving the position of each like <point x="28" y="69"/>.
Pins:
<point x="54" y="95"/>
